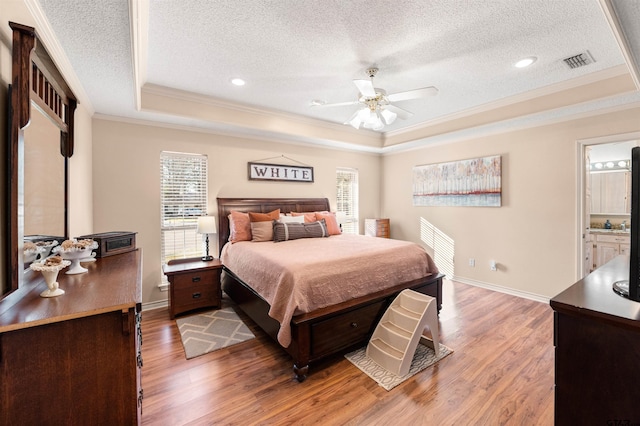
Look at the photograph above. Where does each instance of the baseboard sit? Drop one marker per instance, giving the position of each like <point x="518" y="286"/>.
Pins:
<point x="155" y="305"/>
<point x="500" y="289"/>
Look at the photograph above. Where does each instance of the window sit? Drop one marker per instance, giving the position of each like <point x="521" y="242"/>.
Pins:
<point x="183" y="198"/>
<point x="347" y="199"/>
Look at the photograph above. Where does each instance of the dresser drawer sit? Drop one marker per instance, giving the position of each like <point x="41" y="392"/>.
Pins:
<point x="346" y="329"/>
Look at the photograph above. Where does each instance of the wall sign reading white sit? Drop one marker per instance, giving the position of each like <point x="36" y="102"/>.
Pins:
<point x="280" y="172"/>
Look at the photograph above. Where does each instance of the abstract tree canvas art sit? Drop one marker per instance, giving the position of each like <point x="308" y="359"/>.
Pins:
<point x="473" y="182"/>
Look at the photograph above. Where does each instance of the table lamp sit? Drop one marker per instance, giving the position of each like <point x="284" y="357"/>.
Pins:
<point x="207" y="225"/>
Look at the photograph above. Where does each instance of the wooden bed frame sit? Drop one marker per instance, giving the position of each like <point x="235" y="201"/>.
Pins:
<point x="325" y="331"/>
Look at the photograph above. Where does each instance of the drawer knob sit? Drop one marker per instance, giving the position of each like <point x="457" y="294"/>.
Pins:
<point x="354" y="325"/>
<point x="196" y="295"/>
<point x="195" y="279"/>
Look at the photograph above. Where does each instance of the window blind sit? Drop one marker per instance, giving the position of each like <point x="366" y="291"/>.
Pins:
<point x="347" y="199"/>
<point x="183" y="198"/>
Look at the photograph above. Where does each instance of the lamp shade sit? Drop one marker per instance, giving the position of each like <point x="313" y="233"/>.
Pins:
<point x="207" y="225"/>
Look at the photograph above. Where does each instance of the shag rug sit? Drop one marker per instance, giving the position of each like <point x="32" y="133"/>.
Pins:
<point x="212" y="330"/>
<point x="423" y="358"/>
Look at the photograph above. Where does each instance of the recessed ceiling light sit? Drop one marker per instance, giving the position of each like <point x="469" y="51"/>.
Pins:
<point x="525" y="62"/>
<point x="238" y="81"/>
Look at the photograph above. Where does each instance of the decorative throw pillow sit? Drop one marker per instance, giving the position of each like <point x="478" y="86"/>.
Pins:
<point x="261" y="231"/>
<point x="331" y="221"/>
<point x="291" y="219"/>
<point x="264" y="217"/>
<point x="239" y="226"/>
<point x="294" y="231"/>
<point x="308" y="216"/>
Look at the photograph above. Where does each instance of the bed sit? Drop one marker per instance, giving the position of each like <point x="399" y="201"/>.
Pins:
<point x="322" y="331"/>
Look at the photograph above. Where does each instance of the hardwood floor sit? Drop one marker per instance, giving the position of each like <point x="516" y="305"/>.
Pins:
<point x="501" y="372"/>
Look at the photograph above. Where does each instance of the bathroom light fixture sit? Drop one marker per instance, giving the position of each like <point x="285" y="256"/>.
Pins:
<point x="526" y="62"/>
<point x="610" y="166"/>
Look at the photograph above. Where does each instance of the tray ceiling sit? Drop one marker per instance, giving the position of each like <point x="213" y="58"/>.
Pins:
<point x="171" y="62"/>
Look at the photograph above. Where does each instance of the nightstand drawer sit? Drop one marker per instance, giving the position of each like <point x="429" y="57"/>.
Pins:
<point x="187" y="281"/>
<point x="196" y="296"/>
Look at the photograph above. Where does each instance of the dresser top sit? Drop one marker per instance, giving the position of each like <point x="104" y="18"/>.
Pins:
<point x="593" y="295"/>
<point x="112" y="283"/>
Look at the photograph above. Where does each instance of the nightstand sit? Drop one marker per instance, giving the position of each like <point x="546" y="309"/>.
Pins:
<point x="193" y="284"/>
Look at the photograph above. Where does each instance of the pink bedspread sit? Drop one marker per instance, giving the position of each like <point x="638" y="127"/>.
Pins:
<point x="302" y="275"/>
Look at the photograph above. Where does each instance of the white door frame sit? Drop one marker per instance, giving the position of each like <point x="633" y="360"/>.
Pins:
<point x="580" y="196"/>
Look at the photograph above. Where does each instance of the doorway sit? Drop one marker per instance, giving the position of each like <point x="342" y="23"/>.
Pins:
<point x="605" y="153"/>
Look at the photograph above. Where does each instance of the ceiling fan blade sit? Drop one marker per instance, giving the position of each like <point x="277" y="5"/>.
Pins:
<point x="402" y="113"/>
<point x="335" y="104"/>
<point x="365" y="87"/>
<point x="425" y="92"/>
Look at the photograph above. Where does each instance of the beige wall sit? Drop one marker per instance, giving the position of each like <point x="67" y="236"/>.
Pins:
<point x="126" y="179"/>
<point x="534" y="235"/>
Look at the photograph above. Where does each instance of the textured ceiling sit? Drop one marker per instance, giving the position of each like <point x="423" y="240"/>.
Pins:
<point x="291" y="52"/>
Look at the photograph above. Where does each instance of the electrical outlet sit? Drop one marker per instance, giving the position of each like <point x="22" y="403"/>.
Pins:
<point x="472" y="262"/>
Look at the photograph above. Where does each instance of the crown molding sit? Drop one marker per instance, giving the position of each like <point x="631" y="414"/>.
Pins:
<point x="618" y="32"/>
<point x="502" y="127"/>
<point x="169" y="92"/>
<point x="522" y="97"/>
<point x="139" y="25"/>
<point x="160" y="99"/>
<point x="239" y="133"/>
<point x="47" y="35"/>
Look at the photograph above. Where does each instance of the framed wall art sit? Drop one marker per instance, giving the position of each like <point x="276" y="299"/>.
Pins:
<point x="474" y="182"/>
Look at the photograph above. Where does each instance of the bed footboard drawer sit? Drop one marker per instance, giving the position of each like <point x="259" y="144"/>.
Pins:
<point x="344" y="330"/>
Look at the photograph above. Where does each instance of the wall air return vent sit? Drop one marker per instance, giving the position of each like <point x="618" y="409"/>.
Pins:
<point x="579" y="60"/>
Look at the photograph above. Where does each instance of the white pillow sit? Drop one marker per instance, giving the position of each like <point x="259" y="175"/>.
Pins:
<point x="291" y="219"/>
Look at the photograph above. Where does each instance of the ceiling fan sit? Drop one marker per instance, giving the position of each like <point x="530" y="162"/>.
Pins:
<point x="377" y="110"/>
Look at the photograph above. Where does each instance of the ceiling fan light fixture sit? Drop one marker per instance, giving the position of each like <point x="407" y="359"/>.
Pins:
<point x="388" y="116"/>
<point x="373" y="121"/>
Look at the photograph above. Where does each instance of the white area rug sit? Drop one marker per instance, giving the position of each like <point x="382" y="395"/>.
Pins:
<point x="212" y="330"/>
<point x="424" y="357"/>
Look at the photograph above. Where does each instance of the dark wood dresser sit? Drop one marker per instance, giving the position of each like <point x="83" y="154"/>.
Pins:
<point x="597" y="340"/>
<point x="377" y="228"/>
<point x="74" y="359"/>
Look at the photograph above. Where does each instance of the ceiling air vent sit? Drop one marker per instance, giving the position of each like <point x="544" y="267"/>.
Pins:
<point x="579" y="60"/>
